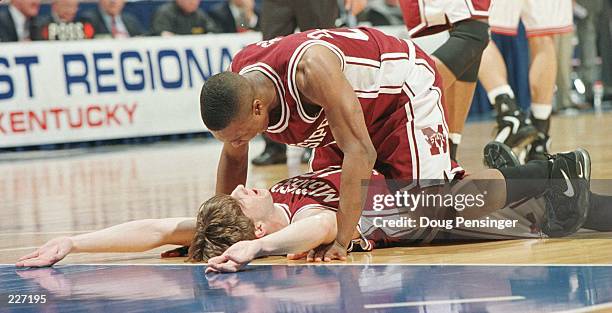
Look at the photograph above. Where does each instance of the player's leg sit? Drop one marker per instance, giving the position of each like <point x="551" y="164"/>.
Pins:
<point x="459" y="96"/>
<point x="600" y="213"/>
<point x="457" y="61"/>
<point x="513" y="127"/>
<point x="564" y="182"/>
<point x="543" y="19"/>
<point x="498" y="156"/>
<point x="542" y="77"/>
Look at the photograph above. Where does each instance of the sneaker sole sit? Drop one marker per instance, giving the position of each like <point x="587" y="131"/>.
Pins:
<point x="587" y="164"/>
<point x="586" y="158"/>
<point x="495" y="151"/>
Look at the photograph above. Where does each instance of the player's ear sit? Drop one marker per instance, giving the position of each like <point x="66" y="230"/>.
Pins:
<point x="260" y="231"/>
<point x="258" y="107"/>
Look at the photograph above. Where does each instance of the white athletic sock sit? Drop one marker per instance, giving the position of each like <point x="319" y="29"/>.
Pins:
<point x="541" y="111"/>
<point x="503" y="89"/>
<point x="455" y="138"/>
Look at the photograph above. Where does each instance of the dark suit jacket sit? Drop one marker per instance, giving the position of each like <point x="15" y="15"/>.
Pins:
<point x="223" y="16"/>
<point x="7" y="27"/>
<point x="94" y="17"/>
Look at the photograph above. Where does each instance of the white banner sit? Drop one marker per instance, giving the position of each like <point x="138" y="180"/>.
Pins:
<point x="52" y="92"/>
<point x="56" y="92"/>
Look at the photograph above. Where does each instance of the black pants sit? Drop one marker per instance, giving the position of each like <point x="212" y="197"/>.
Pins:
<point x="282" y="17"/>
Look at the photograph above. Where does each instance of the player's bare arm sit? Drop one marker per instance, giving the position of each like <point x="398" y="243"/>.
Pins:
<point x="134" y="236"/>
<point x="311" y="229"/>
<point x="233" y="166"/>
<point x="321" y="81"/>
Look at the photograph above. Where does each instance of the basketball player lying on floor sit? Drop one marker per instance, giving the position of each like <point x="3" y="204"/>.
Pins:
<point x="298" y="214"/>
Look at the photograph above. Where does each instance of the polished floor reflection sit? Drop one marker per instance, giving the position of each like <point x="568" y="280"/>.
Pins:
<point x="337" y="288"/>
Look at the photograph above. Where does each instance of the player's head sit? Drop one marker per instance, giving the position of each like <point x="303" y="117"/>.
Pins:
<point x="224" y="220"/>
<point x="66" y="10"/>
<point x="188" y="6"/>
<point x="29" y="8"/>
<point x="230" y="110"/>
<point x="112" y="7"/>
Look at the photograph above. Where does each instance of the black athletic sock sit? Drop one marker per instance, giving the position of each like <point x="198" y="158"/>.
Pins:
<point x="542" y="125"/>
<point x="453" y="151"/>
<point x="526" y="181"/>
<point x="600" y="213"/>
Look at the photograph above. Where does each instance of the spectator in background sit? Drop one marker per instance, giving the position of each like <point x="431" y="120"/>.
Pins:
<point x="235" y="16"/>
<point x="62" y="23"/>
<point x="19" y="21"/>
<point x="382" y="12"/>
<point x="182" y="17"/>
<point x="564" y="49"/>
<point x="593" y="32"/>
<point x="109" y="20"/>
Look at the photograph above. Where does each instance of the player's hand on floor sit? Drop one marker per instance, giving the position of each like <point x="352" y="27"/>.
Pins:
<point x="296" y="256"/>
<point x="48" y="254"/>
<point x="235" y="257"/>
<point x="327" y="252"/>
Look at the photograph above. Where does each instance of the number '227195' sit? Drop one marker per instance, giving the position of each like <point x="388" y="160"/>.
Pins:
<point x="27" y="299"/>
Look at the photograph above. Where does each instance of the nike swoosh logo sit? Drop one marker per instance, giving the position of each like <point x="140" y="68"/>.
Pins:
<point x="580" y="174"/>
<point x="503" y="135"/>
<point x="570" y="190"/>
<point x="515" y="122"/>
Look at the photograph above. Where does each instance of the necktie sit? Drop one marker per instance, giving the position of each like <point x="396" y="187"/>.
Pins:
<point x="114" y="30"/>
<point x="27" y="26"/>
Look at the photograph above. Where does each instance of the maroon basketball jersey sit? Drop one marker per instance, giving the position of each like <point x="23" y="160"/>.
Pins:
<point x="315" y="190"/>
<point x="366" y="56"/>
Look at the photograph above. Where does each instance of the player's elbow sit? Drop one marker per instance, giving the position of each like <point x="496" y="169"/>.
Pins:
<point x="371" y="154"/>
<point x="160" y="231"/>
<point x="366" y="151"/>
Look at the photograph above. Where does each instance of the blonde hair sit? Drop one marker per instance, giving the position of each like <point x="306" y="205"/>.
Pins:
<point x="220" y="224"/>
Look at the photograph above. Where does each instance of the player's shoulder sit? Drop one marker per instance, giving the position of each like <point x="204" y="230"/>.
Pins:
<point x="275" y="52"/>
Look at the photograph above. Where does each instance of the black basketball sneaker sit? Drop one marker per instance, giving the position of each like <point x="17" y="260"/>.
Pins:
<point x="568" y="197"/>
<point x="538" y="149"/>
<point x="514" y="128"/>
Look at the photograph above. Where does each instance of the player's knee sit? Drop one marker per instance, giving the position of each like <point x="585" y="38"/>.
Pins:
<point x="541" y="43"/>
<point x="462" y="52"/>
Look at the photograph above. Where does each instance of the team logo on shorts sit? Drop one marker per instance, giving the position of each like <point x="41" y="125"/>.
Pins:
<point x="436" y="139"/>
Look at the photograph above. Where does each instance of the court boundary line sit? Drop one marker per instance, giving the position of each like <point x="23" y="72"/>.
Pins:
<point x="336" y="264"/>
<point x="591" y="308"/>
<point x="438" y="302"/>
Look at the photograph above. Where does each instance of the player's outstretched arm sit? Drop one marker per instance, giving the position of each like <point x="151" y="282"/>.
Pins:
<point x="232" y="169"/>
<point x="320" y="79"/>
<point x="306" y="234"/>
<point x="134" y="236"/>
